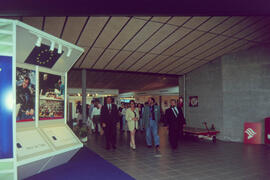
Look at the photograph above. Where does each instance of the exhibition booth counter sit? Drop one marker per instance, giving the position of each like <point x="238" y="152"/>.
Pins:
<point x="33" y="111"/>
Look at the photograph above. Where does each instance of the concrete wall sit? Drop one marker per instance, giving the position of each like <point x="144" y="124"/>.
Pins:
<point x="205" y="83"/>
<point x="246" y="90"/>
<point x="231" y="90"/>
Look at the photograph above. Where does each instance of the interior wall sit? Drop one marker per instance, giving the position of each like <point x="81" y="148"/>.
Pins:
<point x="205" y="83"/>
<point x="246" y="89"/>
<point x="231" y="90"/>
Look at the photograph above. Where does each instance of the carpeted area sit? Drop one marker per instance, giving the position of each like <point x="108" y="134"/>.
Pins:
<point x="85" y="165"/>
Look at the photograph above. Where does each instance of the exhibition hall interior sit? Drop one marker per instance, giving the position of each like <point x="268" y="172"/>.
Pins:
<point x="160" y="91"/>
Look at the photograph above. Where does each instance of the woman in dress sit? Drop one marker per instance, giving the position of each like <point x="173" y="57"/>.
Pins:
<point x="132" y="117"/>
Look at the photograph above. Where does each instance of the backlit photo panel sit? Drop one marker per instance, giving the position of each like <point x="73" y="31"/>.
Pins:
<point x="6" y="106"/>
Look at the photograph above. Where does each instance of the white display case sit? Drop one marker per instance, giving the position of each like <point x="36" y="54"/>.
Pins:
<point x="38" y="139"/>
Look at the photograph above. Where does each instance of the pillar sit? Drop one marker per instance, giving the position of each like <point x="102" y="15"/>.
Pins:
<point x="84" y="95"/>
<point x="182" y="91"/>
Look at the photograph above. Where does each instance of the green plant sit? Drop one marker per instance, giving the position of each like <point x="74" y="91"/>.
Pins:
<point x="83" y="131"/>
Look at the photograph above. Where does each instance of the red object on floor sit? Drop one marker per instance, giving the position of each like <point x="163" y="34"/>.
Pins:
<point x="253" y="133"/>
<point x="267" y="130"/>
<point x="199" y="132"/>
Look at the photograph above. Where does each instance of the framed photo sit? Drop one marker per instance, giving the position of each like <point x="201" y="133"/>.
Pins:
<point x="193" y="101"/>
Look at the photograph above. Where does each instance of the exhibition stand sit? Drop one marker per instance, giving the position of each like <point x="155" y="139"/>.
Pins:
<point x="33" y="94"/>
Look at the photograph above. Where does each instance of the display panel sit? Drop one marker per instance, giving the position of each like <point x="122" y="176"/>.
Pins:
<point x="59" y="136"/>
<point x="6" y="106"/>
<point x="52" y="91"/>
<point x="25" y="94"/>
<point x="30" y="142"/>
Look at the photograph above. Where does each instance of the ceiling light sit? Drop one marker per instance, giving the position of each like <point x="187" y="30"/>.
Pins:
<point x="38" y="43"/>
<point x="69" y="52"/>
<point x="52" y="46"/>
<point x="59" y="49"/>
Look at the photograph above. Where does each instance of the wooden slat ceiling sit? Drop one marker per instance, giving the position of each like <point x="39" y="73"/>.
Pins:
<point x="169" y="45"/>
<point x="124" y="81"/>
<point x="166" y="45"/>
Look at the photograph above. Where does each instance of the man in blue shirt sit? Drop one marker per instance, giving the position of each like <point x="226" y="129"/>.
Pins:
<point x="151" y="117"/>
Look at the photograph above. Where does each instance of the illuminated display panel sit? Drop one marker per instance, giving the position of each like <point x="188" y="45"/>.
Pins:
<point x="6" y="105"/>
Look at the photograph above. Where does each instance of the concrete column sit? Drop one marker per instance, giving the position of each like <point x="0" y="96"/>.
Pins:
<point x="160" y="104"/>
<point x="84" y="95"/>
<point x="182" y="91"/>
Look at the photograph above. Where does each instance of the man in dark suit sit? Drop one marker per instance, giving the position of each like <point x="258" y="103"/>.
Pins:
<point x="109" y="118"/>
<point x="174" y="118"/>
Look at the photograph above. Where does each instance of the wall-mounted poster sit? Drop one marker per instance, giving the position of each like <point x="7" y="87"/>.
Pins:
<point x="51" y="90"/>
<point x="25" y="94"/>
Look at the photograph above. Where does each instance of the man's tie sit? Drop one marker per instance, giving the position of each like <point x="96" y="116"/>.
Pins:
<point x="109" y="107"/>
<point x="174" y="111"/>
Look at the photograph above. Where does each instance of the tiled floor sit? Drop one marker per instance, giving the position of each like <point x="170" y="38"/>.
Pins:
<point x="196" y="160"/>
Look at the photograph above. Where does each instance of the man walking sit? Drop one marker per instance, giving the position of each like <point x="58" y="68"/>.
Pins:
<point x="174" y="118"/>
<point x="109" y="118"/>
<point x="151" y="117"/>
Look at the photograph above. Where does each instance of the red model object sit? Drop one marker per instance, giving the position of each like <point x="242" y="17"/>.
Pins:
<point x="202" y="133"/>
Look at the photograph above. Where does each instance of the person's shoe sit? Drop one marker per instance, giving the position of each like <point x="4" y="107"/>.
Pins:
<point x="157" y="147"/>
<point x="134" y="147"/>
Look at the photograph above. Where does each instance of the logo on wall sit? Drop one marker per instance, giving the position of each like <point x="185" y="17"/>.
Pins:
<point x="250" y="133"/>
<point x="193" y="101"/>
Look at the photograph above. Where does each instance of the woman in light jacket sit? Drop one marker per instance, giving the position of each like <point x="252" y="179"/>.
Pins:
<point x="132" y="117"/>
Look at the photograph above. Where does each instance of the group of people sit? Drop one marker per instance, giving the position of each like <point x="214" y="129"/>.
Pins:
<point x="136" y="117"/>
<point x="122" y="115"/>
<point x="92" y="114"/>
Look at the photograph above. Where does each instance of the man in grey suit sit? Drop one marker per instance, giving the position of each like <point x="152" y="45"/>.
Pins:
<point x="151" y="117"/>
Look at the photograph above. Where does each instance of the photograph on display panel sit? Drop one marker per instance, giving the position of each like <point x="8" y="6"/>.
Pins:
<point x="50" y="109"/>
<point x="51" y="91"/>
<point x="25" y="94"/>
